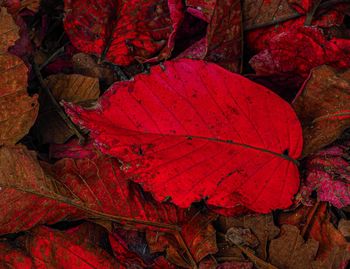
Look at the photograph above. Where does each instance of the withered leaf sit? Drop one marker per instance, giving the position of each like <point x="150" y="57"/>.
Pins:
<point x="8" y="30"/>
<point x="289" y="251"/>
<point x="323" y="107"/>
<point x="73" y="88"/>
<point x="18" y="111"/>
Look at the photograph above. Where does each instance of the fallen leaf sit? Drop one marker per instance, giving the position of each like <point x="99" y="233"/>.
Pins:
<point x="327" y="172"/>
<point x="191" y="132"/>
<point x="24" y="186"/>
<point x="86" y="65"/>
<point x="13" y="258"/>
<point x="334" y="250"/>
<point x="222" y="43"/>
<point x="15" y="6"/>
<point x="262" y="226"/>
<point x="290" y="251"/>
<point x="18" y="111"/>
<point x="239" y="236"/>
<point x="323" y="107"/>
<point x="262" y="13"/>
<point x="344" y="228"/>
<point x="74" y="88"/>
<point x="75" y="248"/>
<point x="122" y="31"/>
<point x="78" y="189"/>
<point x="310" y="48"/>
<point x="8" y="30"/>
<point x="235" y="265"/>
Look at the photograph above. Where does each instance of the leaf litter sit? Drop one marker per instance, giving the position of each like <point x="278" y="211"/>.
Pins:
<point x="174" y="134"/>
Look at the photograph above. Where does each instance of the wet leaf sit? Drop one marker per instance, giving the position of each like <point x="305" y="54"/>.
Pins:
<point x="191" y="132"/>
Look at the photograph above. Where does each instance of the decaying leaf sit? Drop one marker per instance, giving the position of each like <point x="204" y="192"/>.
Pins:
<point x="76" y="189"/>
<point x="76" y="248"/>
<point x="74" y="88"/>
<point x="223" y="41"/>
<point x="334" y="250"/>
<point x="122" y="31"/>
<point x="323" y="107"/>
<point x="196" y="131"/>
<point x="24" y="186"/>
<point x="8" y="30"/>
<point x="11" y="257"/>
<point x="344" y="228"/>
<point x="289" y="250"/>
<point x="262" y="226"/>
<point x="15" y="6"/>
<point x="264" y="12"/>
<point x="328" y="173"/>
<point x="86" y="65"/>
<point x="18" y="111"/>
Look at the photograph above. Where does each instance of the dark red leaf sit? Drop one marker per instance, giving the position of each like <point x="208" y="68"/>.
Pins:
<point x="77" y="189"/>
<point x="76" y="248"/>
<point x="121" y="31"/>
<point x="196" y="131"/>
<point x="298" y="50"/>
<point x="13" y="258"/>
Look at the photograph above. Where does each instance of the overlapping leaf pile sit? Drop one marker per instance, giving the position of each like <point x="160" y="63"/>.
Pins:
<point x="175" y="134"/>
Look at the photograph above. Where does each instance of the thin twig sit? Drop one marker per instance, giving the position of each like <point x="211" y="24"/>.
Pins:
<point x="59" y="109"/>
<point x="310" y="15"/>
<point x="51" y="57"/>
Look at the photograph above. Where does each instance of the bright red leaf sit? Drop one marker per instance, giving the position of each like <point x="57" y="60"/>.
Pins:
<point x="121" y="31"/>
<point x="196" y="131"/>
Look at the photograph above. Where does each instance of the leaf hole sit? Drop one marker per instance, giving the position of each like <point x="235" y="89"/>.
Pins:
<point x="286" y="152"/>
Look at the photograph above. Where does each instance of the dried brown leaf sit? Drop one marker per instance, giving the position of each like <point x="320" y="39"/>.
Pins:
<point x="18" y="111"/>
<point x="323" y="107"/>
<point x="8" y="30"/>
<point x="289" y="251"/>
<point x="73" y="88"/>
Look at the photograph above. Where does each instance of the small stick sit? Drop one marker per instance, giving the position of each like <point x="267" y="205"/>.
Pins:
<point x="311" y="14"/>
<point x="51" y="57"/>
<point x="59" y="109"/>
